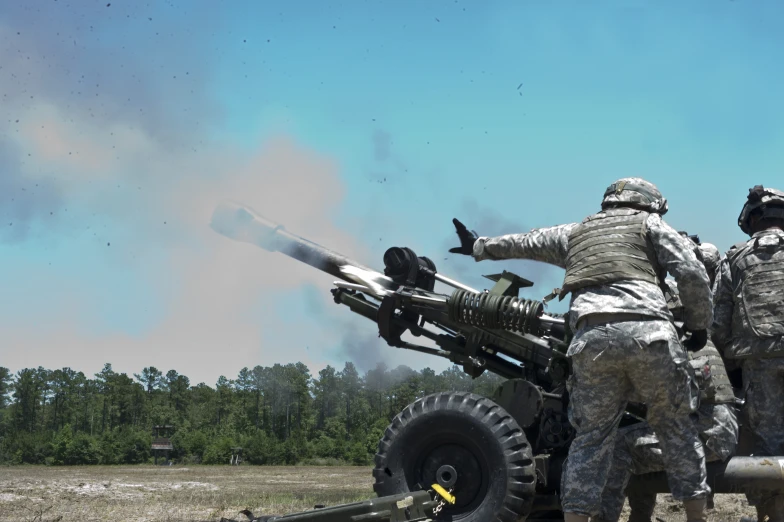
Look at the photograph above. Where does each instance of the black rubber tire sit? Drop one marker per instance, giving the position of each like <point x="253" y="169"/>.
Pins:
<point x="496" y="475"/>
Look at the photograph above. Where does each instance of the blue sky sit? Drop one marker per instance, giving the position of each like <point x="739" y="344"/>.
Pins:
<point x="361" y="125"/>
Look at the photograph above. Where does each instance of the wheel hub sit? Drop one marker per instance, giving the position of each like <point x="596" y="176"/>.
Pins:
<point x="446" y="476"/>
<point x="453" y="466"/>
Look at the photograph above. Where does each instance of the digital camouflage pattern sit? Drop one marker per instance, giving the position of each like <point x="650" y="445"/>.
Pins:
<point x="711" y="376"/>
<point x="615" y="361"/>
<point x="770" y="201"/>
<point x="763" y="383"/>
<point x="732" y="331"/>
<point x="637" y="451"/>
<point x="758" y="270"/>
<point x="635" y="192"/>
<point x="597" y="258"/>
<point x="710" y="258"/>
<point x="612" y="363"/>
<point x="673" y="253"/>
<point x="709" y="368"/>
<point x="761" y="358"/>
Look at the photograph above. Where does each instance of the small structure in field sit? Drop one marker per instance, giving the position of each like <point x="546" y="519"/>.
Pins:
<point x="161" y="442"/>
<point x="236" y="456"/>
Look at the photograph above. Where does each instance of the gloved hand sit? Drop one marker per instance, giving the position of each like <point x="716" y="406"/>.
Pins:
<point x="698" y="339"/>
<point x="467" y="239"/>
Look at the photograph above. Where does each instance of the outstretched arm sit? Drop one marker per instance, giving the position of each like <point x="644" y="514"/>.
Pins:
<point x="547" y="245"/>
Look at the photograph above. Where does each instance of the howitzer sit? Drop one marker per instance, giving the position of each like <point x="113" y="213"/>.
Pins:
<point x="501" y="457"/>
<point x="493" y="330"/>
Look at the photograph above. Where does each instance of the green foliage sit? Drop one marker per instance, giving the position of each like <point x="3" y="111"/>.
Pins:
<point x="218" y="451"/>
<point x="132" y="447"/>
<point x="279" y="415"/>
<point x="74" y="449"/>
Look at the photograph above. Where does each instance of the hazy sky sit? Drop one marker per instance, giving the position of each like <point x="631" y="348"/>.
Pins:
<point x="360" y="125"/>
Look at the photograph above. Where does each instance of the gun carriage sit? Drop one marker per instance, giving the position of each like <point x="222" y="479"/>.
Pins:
<point x="499" y="457"/>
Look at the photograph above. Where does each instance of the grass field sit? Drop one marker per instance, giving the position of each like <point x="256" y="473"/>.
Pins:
<point x="207" y="493"/>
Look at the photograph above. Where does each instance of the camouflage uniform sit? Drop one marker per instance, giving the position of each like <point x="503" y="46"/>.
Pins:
<point x="625" y="340"/>
<point x="749" y="326"/>
<point x="637" y="449"/>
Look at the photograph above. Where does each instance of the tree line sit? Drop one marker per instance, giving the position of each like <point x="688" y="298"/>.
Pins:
<point x="279" y="415"/>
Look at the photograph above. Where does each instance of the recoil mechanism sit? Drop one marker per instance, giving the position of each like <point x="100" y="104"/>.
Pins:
<point x="487" y="310"/>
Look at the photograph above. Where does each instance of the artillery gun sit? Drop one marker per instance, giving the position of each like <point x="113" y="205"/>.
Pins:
<point x="500" y="457"/>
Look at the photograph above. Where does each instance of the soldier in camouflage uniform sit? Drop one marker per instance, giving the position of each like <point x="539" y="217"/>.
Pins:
<point x="625" y="341"/>
<point x="749" y="325"/>
<point x="637" y="449"/>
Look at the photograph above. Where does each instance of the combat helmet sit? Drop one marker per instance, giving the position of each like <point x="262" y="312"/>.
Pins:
<point x="770" y="203"/>
<point x="710" y="256"/>
<point x="636" y="193"/>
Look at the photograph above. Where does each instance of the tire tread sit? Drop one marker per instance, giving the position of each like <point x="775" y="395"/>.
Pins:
<point x="518" y="454"/>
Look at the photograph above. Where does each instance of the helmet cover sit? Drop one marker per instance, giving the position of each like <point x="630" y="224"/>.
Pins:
<point x="635" y="193"/>
<point x="710" y="256"/>
<point x="769" y="201"/>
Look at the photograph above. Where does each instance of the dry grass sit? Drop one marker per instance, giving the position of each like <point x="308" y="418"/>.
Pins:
<point x="171" y="494"/>
<point x="207" y="493"/>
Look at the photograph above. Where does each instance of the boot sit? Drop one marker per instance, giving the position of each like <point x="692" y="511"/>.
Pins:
<point x="636" y="516"/>
<point x="696" y="510"/>
<point x="574" y="517"/>
<point x="641" y="506"/>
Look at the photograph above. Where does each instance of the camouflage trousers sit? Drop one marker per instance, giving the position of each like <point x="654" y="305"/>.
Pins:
<point x="637" y="451"/>
<point x="611" y="363"/>
<point x="763" y="385"/>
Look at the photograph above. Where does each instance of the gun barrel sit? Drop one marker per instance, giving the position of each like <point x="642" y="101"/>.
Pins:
<point x="551" y="320"/>
<point x="454" y="284"/>
<point x="241" y="223"/>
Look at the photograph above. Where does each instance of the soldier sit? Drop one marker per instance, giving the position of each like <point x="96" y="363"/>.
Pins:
<point x="625" y="340"/>
<point x="637" y="449"/>
<point x="749" y="326"/>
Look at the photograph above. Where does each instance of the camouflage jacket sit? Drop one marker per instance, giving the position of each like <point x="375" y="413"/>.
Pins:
<point x="718" y="427"/>
<point x="674" y="253"/>
<point x="731" y="334"/>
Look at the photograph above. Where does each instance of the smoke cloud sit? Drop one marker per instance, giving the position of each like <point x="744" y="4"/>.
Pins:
<point x="108" y="156"/>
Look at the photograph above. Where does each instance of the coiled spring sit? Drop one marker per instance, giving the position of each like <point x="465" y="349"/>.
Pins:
<point x="495" y="311"/>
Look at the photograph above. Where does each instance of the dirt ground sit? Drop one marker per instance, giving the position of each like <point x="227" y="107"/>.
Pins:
<point x="207" y="493"/>
<point x="728" y="508"/>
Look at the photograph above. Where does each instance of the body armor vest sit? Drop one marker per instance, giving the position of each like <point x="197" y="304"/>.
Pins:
<point x="610" y="246"/>
<point x="711" y="376"/>
<point x="758" y="275"/>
